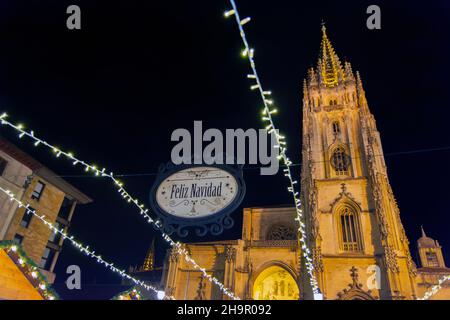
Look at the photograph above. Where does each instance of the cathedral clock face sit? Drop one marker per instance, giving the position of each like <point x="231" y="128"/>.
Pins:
<point x="199" y="197"/>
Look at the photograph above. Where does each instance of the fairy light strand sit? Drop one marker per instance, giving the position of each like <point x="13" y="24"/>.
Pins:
<point x="180" y="248"/>
<point x="79" y="246"/>
<point x="435" y="289"/>
<point x="268" y="111"/>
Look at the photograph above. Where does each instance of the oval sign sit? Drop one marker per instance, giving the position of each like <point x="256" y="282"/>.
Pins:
<point x="199" y="196"/>
<point x="196" y="192"/>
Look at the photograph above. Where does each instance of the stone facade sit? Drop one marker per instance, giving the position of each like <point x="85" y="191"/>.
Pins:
<point x="13" y="177"/>
<point x="36" y="235"/>
<point x="432" y="267"/>
<point x="44" y="192"/>
<point x="359" y="246"/>
<point x="268" y="241"/>
<point x="350" y="209"/>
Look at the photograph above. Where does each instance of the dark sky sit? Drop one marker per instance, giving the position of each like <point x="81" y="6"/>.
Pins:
<point x="114" y="91"/>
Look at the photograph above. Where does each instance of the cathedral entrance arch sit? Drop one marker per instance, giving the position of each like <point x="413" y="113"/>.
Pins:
<point x="275" y="283"/>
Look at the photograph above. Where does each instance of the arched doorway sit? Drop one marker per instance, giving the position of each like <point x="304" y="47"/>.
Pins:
<point x="275" y="283"/>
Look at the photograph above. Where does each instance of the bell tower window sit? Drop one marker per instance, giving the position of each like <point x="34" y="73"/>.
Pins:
<point x="350" y="235"/>
<point x="432" y="259"/>
<point x="336" y="128"/>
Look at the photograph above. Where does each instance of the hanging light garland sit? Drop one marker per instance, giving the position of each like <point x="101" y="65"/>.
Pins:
<point x="435" y="289"/>
<point x="124" y="193"/>
<point x="267" y="113"/>
<point x="131" y="294"/>
<point x="79" y="246"/>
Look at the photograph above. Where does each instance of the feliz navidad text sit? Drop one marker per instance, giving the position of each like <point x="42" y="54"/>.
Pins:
<point x="194" y="190"/>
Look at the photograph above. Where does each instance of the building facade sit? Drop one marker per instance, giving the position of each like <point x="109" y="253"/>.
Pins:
<point x="432" y="267"/>
<point x="359" y="246"/>
<point x="43" y="191"/>
<point x="149" y="273"/>
<point x="263" y="264"/>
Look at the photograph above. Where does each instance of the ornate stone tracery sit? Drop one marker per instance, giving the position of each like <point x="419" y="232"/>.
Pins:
<point x="317" y="259"/>
<point x="281" y="232"/>
<point x="201" y="289"/>
<point x="391" y="259"/>
<point x="344" y="195"/>
<point x="354" y="290"/>
<point x="230" y="254"/>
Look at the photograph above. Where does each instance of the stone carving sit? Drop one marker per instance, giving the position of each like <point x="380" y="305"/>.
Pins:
<point x="391" y="259"/>
<point x="174" y="255"/>
<point x="313" y="209"/>
<point x="281" y="232"/>
<point x="317" y="259"/>
<point x="376" y="192"/>
<point x="230" y="254"/>
<point x="354" y="290"/>
<point x="412" y="269"/>
<point x="201" y="289"/>
<point x="344" y="194"/>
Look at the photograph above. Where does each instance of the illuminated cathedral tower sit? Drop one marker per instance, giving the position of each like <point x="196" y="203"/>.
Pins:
<point x="352" y="216"/>
<point x="149" y="262"/>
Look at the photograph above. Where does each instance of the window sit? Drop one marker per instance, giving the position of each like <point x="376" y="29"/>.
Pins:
<point x="18" y="239"/>
<point x="38" y="189"/>
<point x="336" y="128"/>
<point x="26" y="219"/>
<point x="65" y="209"/>
<point x="340" y="161"/>
<point x="432" y="259"/>
<point x="47" y="258"/>
<point x="349" y="230"/>
<point x="55" y="236"/>
<point x="3" y="164"/>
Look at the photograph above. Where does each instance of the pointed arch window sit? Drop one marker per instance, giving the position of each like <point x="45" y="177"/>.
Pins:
<point x="350" y="233"/>
<point x="336" y="128"/>
<point x="340" y="161"/>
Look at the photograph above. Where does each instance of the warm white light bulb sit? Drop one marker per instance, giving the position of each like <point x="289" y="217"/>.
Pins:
<point x="246" y="20"/>
<point x="228" y="13"/>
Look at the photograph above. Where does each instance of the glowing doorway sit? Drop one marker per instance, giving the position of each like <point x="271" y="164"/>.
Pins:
<point x="275" y="283"/>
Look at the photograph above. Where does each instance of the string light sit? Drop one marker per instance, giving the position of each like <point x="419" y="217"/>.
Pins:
<point x="79" y="246"/>
<point x="281" y="142"/>
<point x="126" y="196"/>
<point x="132" y="294"/>
<point x="434" y="289"/>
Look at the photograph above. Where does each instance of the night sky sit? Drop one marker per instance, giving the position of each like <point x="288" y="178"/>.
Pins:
<point x="114" y="91"/>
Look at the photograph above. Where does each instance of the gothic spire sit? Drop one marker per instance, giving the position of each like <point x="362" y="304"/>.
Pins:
<point x="423" y="232"/>
<point x="149" y="262"/>
<point x="329" y="65"/>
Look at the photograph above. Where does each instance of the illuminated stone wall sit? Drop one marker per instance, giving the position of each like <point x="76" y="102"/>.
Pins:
<point x="36" y="235"/>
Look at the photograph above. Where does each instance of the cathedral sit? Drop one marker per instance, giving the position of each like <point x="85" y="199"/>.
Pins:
<point x="358" y="243"/>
